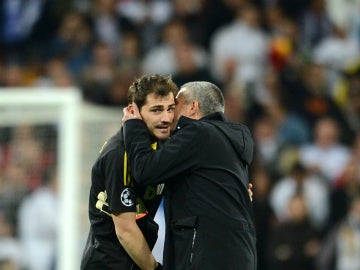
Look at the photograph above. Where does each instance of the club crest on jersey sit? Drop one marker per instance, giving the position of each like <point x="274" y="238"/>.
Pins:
<point x="127" y="197"/>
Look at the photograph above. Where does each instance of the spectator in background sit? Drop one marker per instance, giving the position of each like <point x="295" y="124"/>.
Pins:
<point x="236" y="101"/>
<point x="10" y="250"/>
<point x="161" y="59"/>
<point x="193" y="13"/>
<point x="291" y="81"/>
<point x="98" y="76"/>
<point x="239" y="68"/>
<point x="54" y="73"/>
<point x="264" y="217"/>
<point x="148" y="17"/>
<point x="346" y="15"/>
<point x="315" y="25"/>
<point x="129" y="54"/>
<point x="311" y="188"/>
<point x="117" y="92"/>
<point x="105" y="81"/>
<point x="25" y="27"/>
<point x="347" y="187"/>
<point x="292" y="129"/>
<point x="187" y="67"/>
<point x="270" y="100"/>
<point x="267" y="145"/>
<point x="25" y="151"/>
<point x="283" y="37"/>
<point x="25" y="157"/>
<point x="316" y="101"/>
<point x="13" y="75"/>
<point x="346" y="93"/>
<point x="325" y="155"/>
<point x="218" y="13"/>
<point x="38" y="221"/>
<point x="341" y="247"/>
<point x="294" y="243"/>
<point x="356" y="147"/>
<point x="73" y="41"/>
<point x="108" y="25"/>
<point x="336" y="50"/>
<point x="269" y="89"/>
<point x="238" y="50"/>
<point x="14" y="188"/>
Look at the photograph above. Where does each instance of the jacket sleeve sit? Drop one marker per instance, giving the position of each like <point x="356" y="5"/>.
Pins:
<point x="174" y="157"/>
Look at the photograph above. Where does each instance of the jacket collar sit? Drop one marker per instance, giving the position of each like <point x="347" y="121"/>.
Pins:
<point x="214" y="116"/>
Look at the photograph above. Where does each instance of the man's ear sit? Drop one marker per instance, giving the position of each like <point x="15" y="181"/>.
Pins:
<point x="195" y="109"/>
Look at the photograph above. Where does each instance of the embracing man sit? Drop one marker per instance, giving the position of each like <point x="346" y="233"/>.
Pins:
<point x="204" y="165"/>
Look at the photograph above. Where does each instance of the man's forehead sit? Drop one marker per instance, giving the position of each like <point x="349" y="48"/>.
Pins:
<point x="157" y="100"/>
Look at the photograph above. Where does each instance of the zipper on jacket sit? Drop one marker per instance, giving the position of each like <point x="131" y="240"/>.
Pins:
<point x="192" y="246"/>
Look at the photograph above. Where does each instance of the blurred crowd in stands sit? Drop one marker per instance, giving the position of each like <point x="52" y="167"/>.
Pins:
<point x="290" y="70"/>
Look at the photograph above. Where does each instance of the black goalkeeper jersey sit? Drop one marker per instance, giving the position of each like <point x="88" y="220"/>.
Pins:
<point x="113" y="190"/>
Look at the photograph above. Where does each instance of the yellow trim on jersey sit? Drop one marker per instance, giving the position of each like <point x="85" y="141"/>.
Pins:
<point x="154" y="145"/>
<point x="102" y="147"/>
<point x="140" y="206"/>
<point x="125" y="169"/>
<point x="126" y="175"/>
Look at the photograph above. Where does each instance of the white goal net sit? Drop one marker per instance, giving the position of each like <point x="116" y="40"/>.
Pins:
<point x="45" y="131"/>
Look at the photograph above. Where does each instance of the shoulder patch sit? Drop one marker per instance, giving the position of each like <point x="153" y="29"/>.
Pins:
<point x="127" y="197"/>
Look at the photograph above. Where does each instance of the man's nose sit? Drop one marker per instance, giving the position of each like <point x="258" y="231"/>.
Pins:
<point x="167" y="117"/>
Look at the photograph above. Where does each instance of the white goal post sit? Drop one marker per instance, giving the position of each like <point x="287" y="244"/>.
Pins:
<point x="59" y="106"/>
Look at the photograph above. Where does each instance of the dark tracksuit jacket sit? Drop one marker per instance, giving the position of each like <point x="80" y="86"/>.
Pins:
<point x="208" y="212"/>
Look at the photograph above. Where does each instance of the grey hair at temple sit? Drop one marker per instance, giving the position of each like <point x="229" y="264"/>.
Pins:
<point x="208" y="95"/>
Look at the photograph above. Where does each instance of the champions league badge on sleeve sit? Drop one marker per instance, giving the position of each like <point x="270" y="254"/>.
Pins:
<point x="127" y="197"/>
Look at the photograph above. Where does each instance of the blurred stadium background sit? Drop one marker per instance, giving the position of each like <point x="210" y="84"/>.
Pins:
<point x="290" y="70"/>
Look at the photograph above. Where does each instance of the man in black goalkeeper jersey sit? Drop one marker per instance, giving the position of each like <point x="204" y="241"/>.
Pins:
<point x="122" y="231"/>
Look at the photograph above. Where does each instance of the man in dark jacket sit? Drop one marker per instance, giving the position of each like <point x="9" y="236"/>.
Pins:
<point x="208" y="212"/>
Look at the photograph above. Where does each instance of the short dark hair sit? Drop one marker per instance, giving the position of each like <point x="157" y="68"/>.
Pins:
<point x="148" y="84"/>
